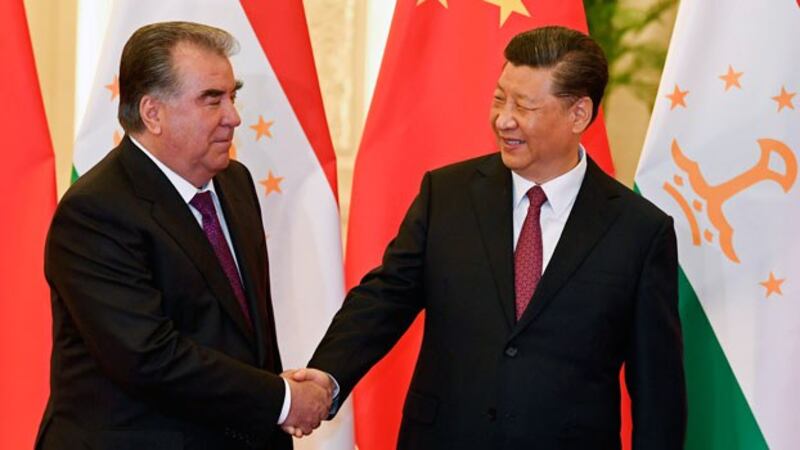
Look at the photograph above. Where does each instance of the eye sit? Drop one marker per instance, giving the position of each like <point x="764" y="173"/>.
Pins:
<point x="212" y="100"/>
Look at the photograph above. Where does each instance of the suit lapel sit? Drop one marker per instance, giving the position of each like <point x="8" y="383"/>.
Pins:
<point x="592" y="214"/>
<point x="247" y="255"/>
<point x="173" y="215"/>
<point x="491" y="199"/>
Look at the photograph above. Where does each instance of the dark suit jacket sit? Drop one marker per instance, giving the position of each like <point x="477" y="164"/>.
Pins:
<point x="550" y="381"/>
<point x="150" y="348"/>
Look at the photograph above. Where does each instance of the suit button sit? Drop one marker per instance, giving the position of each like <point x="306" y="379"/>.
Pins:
<point x="511" y="351"/>
<point x="491" y="413"/>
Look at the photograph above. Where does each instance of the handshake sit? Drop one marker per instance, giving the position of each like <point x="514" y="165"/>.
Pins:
<point x="312" y="393"/>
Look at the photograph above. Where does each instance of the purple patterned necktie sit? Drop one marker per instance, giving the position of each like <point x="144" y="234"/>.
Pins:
<point x="528" y="255"/>
<point x="202" y="202"/>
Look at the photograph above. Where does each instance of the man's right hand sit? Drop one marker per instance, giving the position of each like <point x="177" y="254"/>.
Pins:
<point x="311" y="400"/>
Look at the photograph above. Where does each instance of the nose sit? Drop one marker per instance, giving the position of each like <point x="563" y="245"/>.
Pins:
<point x="504" y="120"/>
<point x="231" y="117"/>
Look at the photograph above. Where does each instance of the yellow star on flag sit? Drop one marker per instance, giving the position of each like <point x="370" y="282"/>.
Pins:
<point x="271" y="184"/>
<point x="678" y="98"/>
<point x="113" y="87"/>
<point x="773" y="285"/>
<point x="509" y="6"/>
<point x="784" y="99"/>
<point x="731" y="78"/>
<point x="443" y="2"/>
<point x="262" y="128"/>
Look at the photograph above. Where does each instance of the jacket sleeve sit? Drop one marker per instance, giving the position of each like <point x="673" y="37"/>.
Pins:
<point x="654" y="365"/>
<point x="377" y="312"/>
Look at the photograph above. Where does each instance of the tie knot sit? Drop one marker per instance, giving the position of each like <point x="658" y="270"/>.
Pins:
<point x="203" y="203"/>
<point x="536" y="196"/>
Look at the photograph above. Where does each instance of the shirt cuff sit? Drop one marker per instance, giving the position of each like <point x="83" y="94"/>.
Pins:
<point x="287" y="403"/>
<point x="336" y="388"/>
<point x="335" y="404"/>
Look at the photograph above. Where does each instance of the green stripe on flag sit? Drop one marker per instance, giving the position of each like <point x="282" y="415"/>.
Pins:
<point x="719" y="415"/>
<point x="74" y="176"/>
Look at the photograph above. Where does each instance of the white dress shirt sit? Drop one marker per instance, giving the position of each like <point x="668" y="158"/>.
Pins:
<point x="187" y="191"/>
<point x="561" y="193"/>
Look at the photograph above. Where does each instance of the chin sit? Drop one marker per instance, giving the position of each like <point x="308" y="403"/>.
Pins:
<point x="222" y="163"/>
<point x="511" y="161"/>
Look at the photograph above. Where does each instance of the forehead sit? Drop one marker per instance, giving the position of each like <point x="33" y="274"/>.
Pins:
<point x="525" y="81"/>
<point x="197" y="65"/>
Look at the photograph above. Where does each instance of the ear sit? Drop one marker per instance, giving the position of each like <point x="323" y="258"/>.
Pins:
<point x="581" y="114"/>
<point x="151" y="112"/>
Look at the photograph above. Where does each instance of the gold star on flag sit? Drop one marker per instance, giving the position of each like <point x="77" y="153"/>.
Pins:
<point x="262" y="128"/>
<point x="114" y="88"/>
<point x="271" y="184"/>
<point x="785" y="99"/>
<point x="678" y="98"/>
<point x="773" y="285"/>
<point x="509" y="6"/>
<point x="731" y="78"/>
<point x="443" y="2"/>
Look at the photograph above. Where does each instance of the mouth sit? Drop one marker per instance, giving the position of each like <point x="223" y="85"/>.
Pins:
<point x="510" y="143"/>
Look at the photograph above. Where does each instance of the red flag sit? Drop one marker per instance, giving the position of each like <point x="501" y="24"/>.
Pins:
<point x="430" y="108"/>
<point x="27" y="201"/>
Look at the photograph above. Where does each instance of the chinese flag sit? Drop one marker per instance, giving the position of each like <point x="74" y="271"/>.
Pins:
<point x="430" y="108"/>
<point x="27" y="201"/>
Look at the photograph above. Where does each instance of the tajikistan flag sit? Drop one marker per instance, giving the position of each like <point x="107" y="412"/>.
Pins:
<point x="283" y="140"/>
<point x="721" y="158"/>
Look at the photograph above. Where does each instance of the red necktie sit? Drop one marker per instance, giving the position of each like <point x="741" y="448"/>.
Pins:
<point x="202" y="202"/>
<point x="528" y="255"/>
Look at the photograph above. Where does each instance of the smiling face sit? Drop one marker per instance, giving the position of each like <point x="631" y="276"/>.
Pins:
<point x="538" y="133"/>
<point x="192" y="129"/>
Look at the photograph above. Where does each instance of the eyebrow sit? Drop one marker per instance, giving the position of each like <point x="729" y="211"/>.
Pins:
<point x="520" y="96"/>
<point x="218" y="92"/>
<point x="212" y="93"/>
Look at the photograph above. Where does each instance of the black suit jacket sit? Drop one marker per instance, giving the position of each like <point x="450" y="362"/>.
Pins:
<point x="150" y="347"/>
<point x="551" y="380"/>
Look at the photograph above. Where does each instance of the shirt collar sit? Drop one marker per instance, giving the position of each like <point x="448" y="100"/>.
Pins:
<point x="185" y="189"/>
<point x="560" y="191"/>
